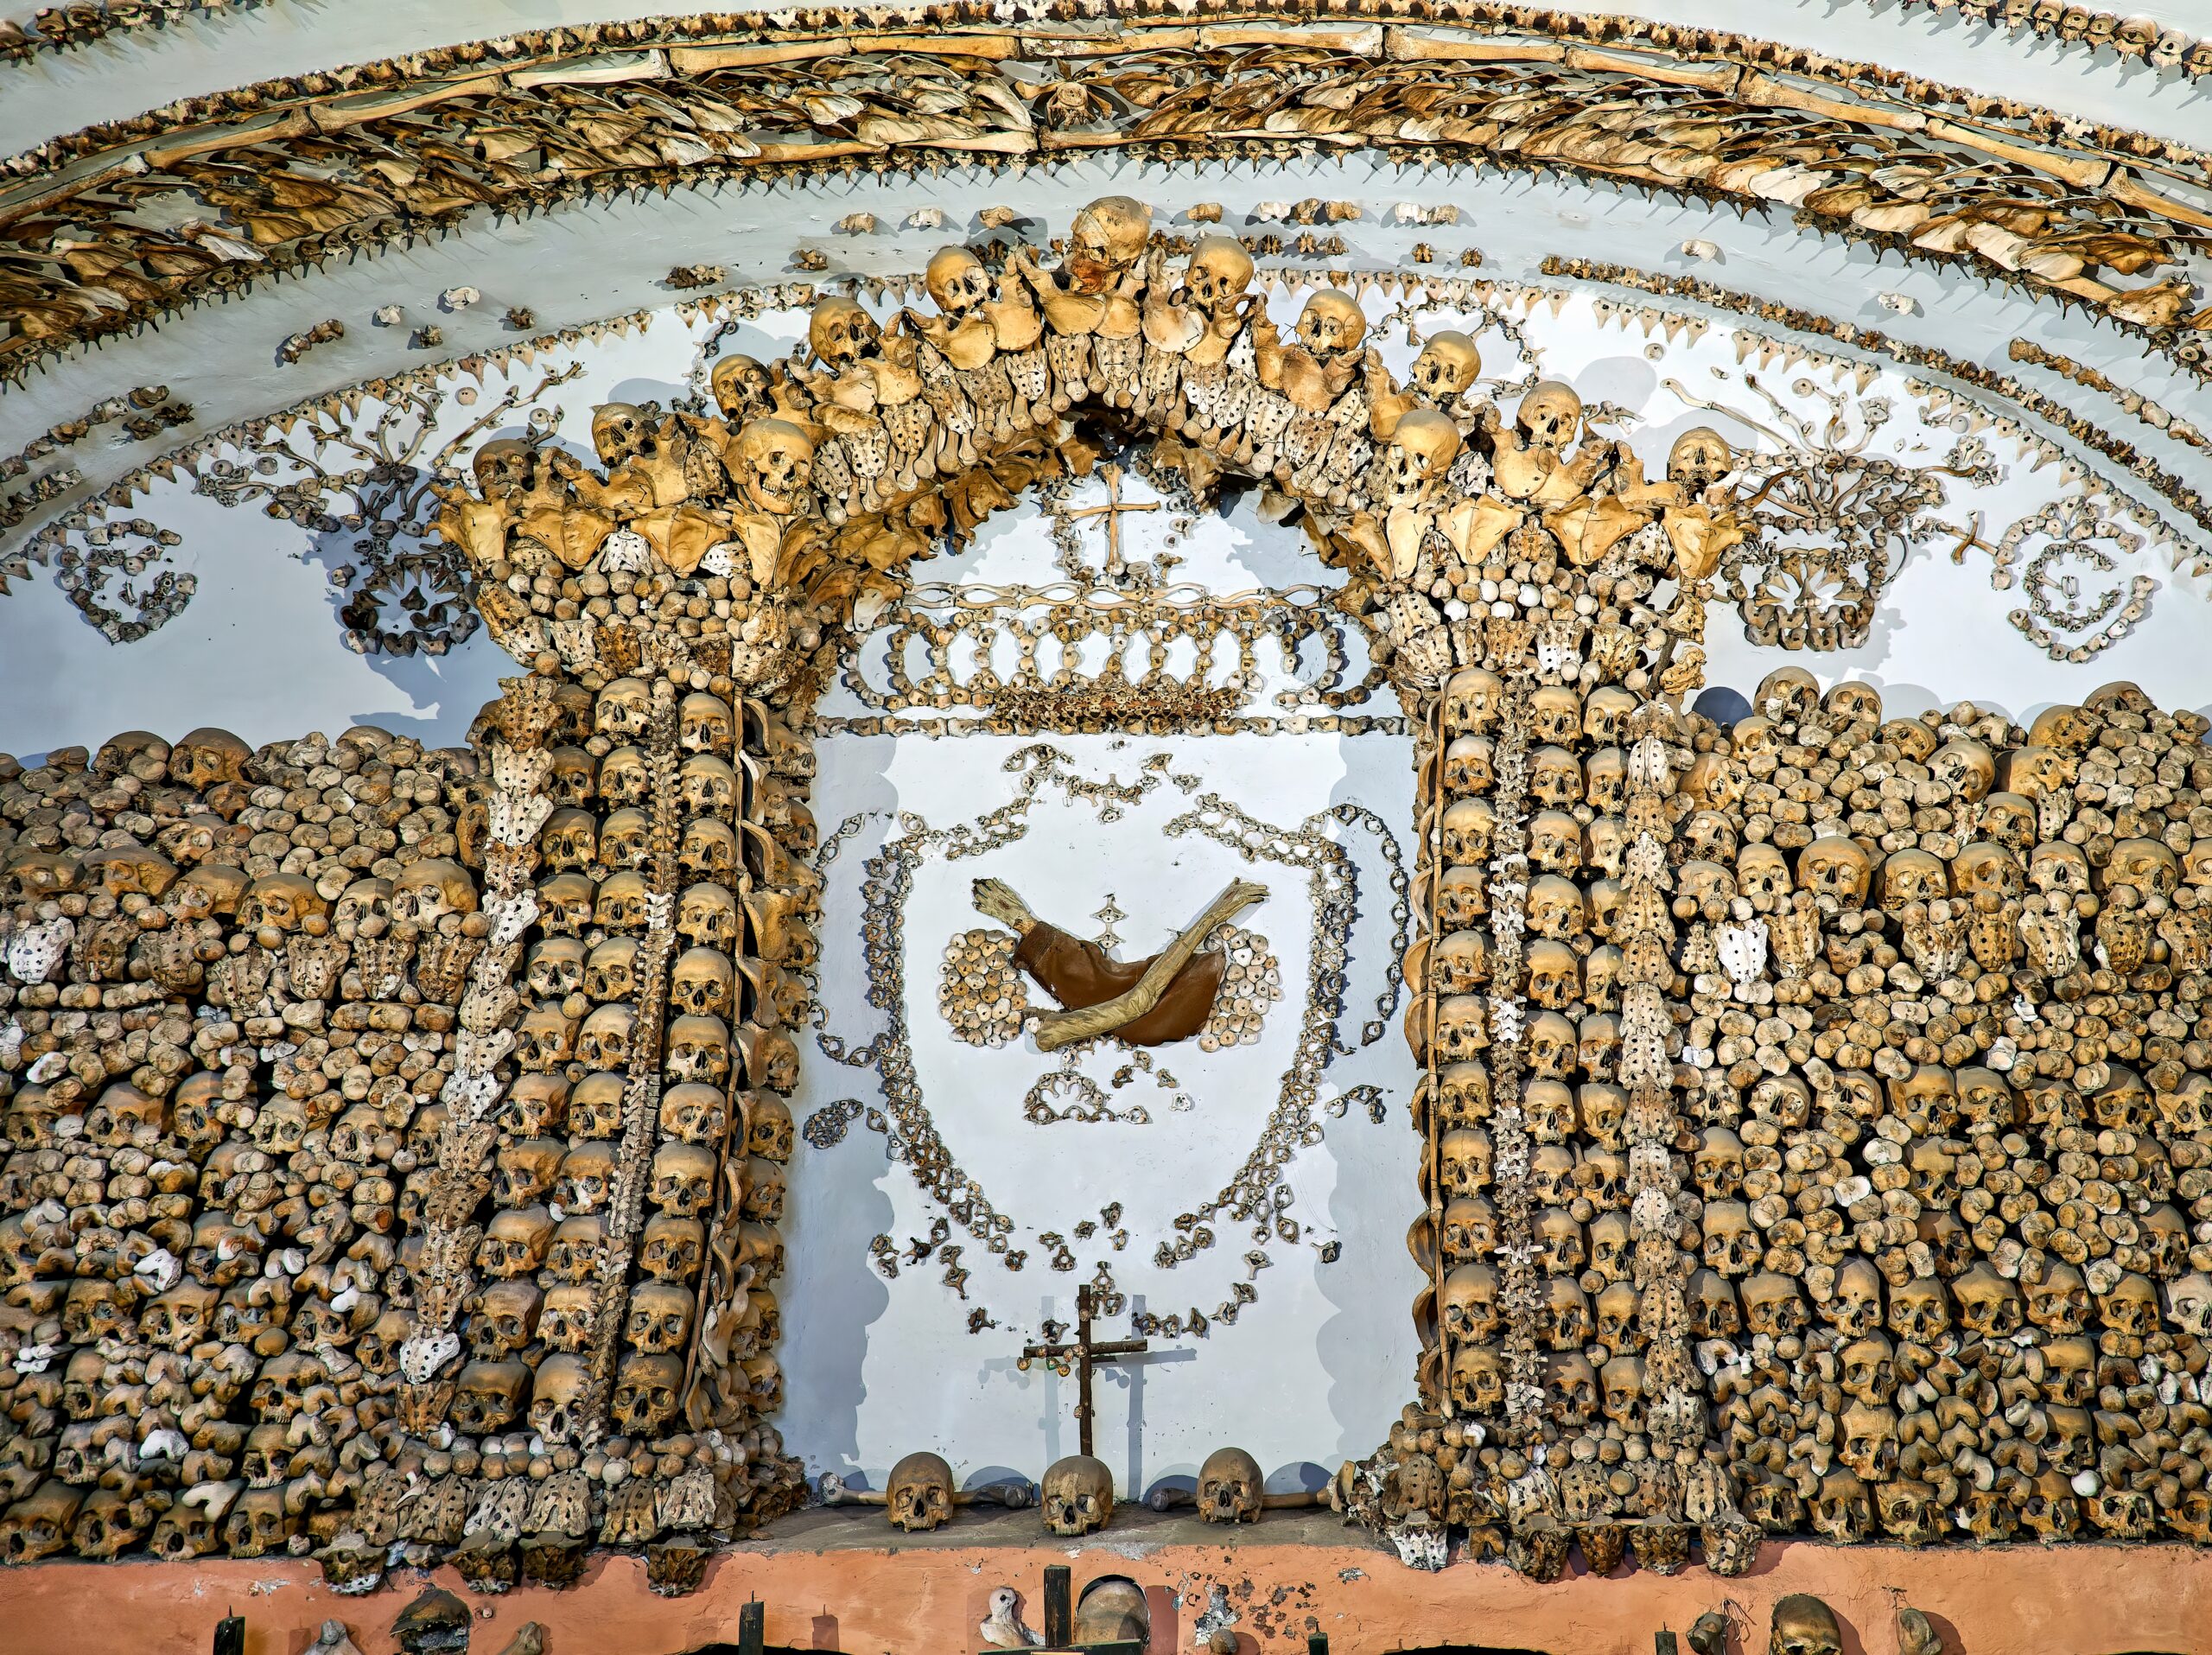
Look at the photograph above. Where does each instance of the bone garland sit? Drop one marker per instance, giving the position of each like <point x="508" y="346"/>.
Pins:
<point x="1523" y="1419"/>
<point x="88" y="182"/>
<point x="1676" y="1415"/>
<point x="1062" y="621"/>
<point x="2153" y="414"/>
<point x="2185" y="497"/>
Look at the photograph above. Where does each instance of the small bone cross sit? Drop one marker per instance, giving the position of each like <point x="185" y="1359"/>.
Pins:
<point x="1082" y="1356"/>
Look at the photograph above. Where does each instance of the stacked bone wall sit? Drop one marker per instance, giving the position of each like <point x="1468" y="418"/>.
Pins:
<point x="237" y="1005"/>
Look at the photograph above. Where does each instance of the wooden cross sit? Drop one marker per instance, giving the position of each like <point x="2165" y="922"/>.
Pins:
<point x="1083" y="1355"/>
<point x="1112" y="511"/>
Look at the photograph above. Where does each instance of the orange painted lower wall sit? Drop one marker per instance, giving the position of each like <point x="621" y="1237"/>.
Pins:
<point x="836" y="1589"/>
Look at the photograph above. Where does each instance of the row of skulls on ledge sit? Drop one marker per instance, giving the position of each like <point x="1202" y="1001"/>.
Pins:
<point x="745" y="535"/>
<point x="231" y="1018"/>
<point x="1939" y="1056"/>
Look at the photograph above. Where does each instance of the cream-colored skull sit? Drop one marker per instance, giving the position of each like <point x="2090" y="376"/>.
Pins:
<point x="645" y="1390"/>
<point x="502" y="468"/>
<point x="1331" y="325"/>
<point x="557" y="1396"/>
<point x="1105" y="241"/>
<point x="956" y="280"/>
<point x="1220" y="271"/>
<point x="619" y="432"/>
<point x="774" y="464"/>
<point x="1469" y="1303"/>
<point x="1550" y="415"/>
<point x="741" y="385"/>
<point x="1965" y="767"/>
<point x="1229" y="1488"/>
<point x="1913" y="876"/>
<point x="659" y="1319"/>
<point x="920" y="1496"/>
<point x="1420" y="452"/>
<point x="1448" y="365"/>
<point x="1554" y="711"/>
<point x="683" y="1180"/>
<point x="1079" y="1496"/>
<point x="428" y="891"/>
<point x="839" y="331"/>
<point x="1700" y="458"/>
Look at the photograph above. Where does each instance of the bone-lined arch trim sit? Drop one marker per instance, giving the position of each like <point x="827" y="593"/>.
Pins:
<point x="285" y="175"/>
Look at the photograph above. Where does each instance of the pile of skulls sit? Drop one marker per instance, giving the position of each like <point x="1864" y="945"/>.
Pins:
<point x="1945" y="980"/>
<point x="1944" y="1120"/>
<point x="313" y="1065"/>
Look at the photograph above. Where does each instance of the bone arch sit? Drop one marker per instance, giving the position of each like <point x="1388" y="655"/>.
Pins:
<point x="1724" y="101"/>
<point x="718" y="511"/>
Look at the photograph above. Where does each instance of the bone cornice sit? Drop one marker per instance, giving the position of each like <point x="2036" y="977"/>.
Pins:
<point x="2129" y="469"/>
<point x="372" y="156"/>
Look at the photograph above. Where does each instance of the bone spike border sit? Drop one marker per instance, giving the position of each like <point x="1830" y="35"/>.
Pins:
<point x="1939" y="996"/>
<point x="2130" y="37"/>
<point x="1448" y="293"/>
<point x="98" y="172"/>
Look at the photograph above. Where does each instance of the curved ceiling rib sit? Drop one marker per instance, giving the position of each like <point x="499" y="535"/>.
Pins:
<point x="95" y="62"/>
<point x="122" y="223"/>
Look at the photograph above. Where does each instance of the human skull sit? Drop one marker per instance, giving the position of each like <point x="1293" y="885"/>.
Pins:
<point x="1419" y="455"/>
<point x="774" y="463"/>
<point x="1803" y="1625"/>
<point x="1447" y="367"/>
<point x="430" y="890"/>
<point x="919" y="1495"/>
<point x="659" y="1318"/>
<point x="1079" y="1496"/>
<point x="1331" y="325"/>
<point x="683" y="1180"/>
<point x="1105" y="241"/>
<point x="1478" y="1380"/>
<point x="956" y="281"/>
<point x="1474" y="698"/>
<point x="646" y="1388"/>
<point x="556" y="1395"/>
<point x="608" y="973"/>
<point x="1700" y="458"/>
<point x="620" y="432"/>
<point x="840" y="331"/>
<point x="740" y="386"/>
<point x="1229" y="1488"/>
<point x="1469" y="1303"/>
<point x="1550" y="415"/>
<point x="1219" y="273"/>
<point x="672" y="1247"/>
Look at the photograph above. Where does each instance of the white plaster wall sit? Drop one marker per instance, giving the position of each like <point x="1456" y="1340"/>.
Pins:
<point x="1317" y="1367"/>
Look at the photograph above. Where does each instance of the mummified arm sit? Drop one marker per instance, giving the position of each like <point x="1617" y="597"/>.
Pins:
<point x="997" y="899"/>
<point x="1058" y="1029"/>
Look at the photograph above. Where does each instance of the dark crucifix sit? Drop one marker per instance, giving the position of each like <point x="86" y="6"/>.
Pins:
<point x="1080" y="1357"/>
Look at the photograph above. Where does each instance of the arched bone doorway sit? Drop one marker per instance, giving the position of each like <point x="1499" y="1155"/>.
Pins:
<point x="1525" y="586"/>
